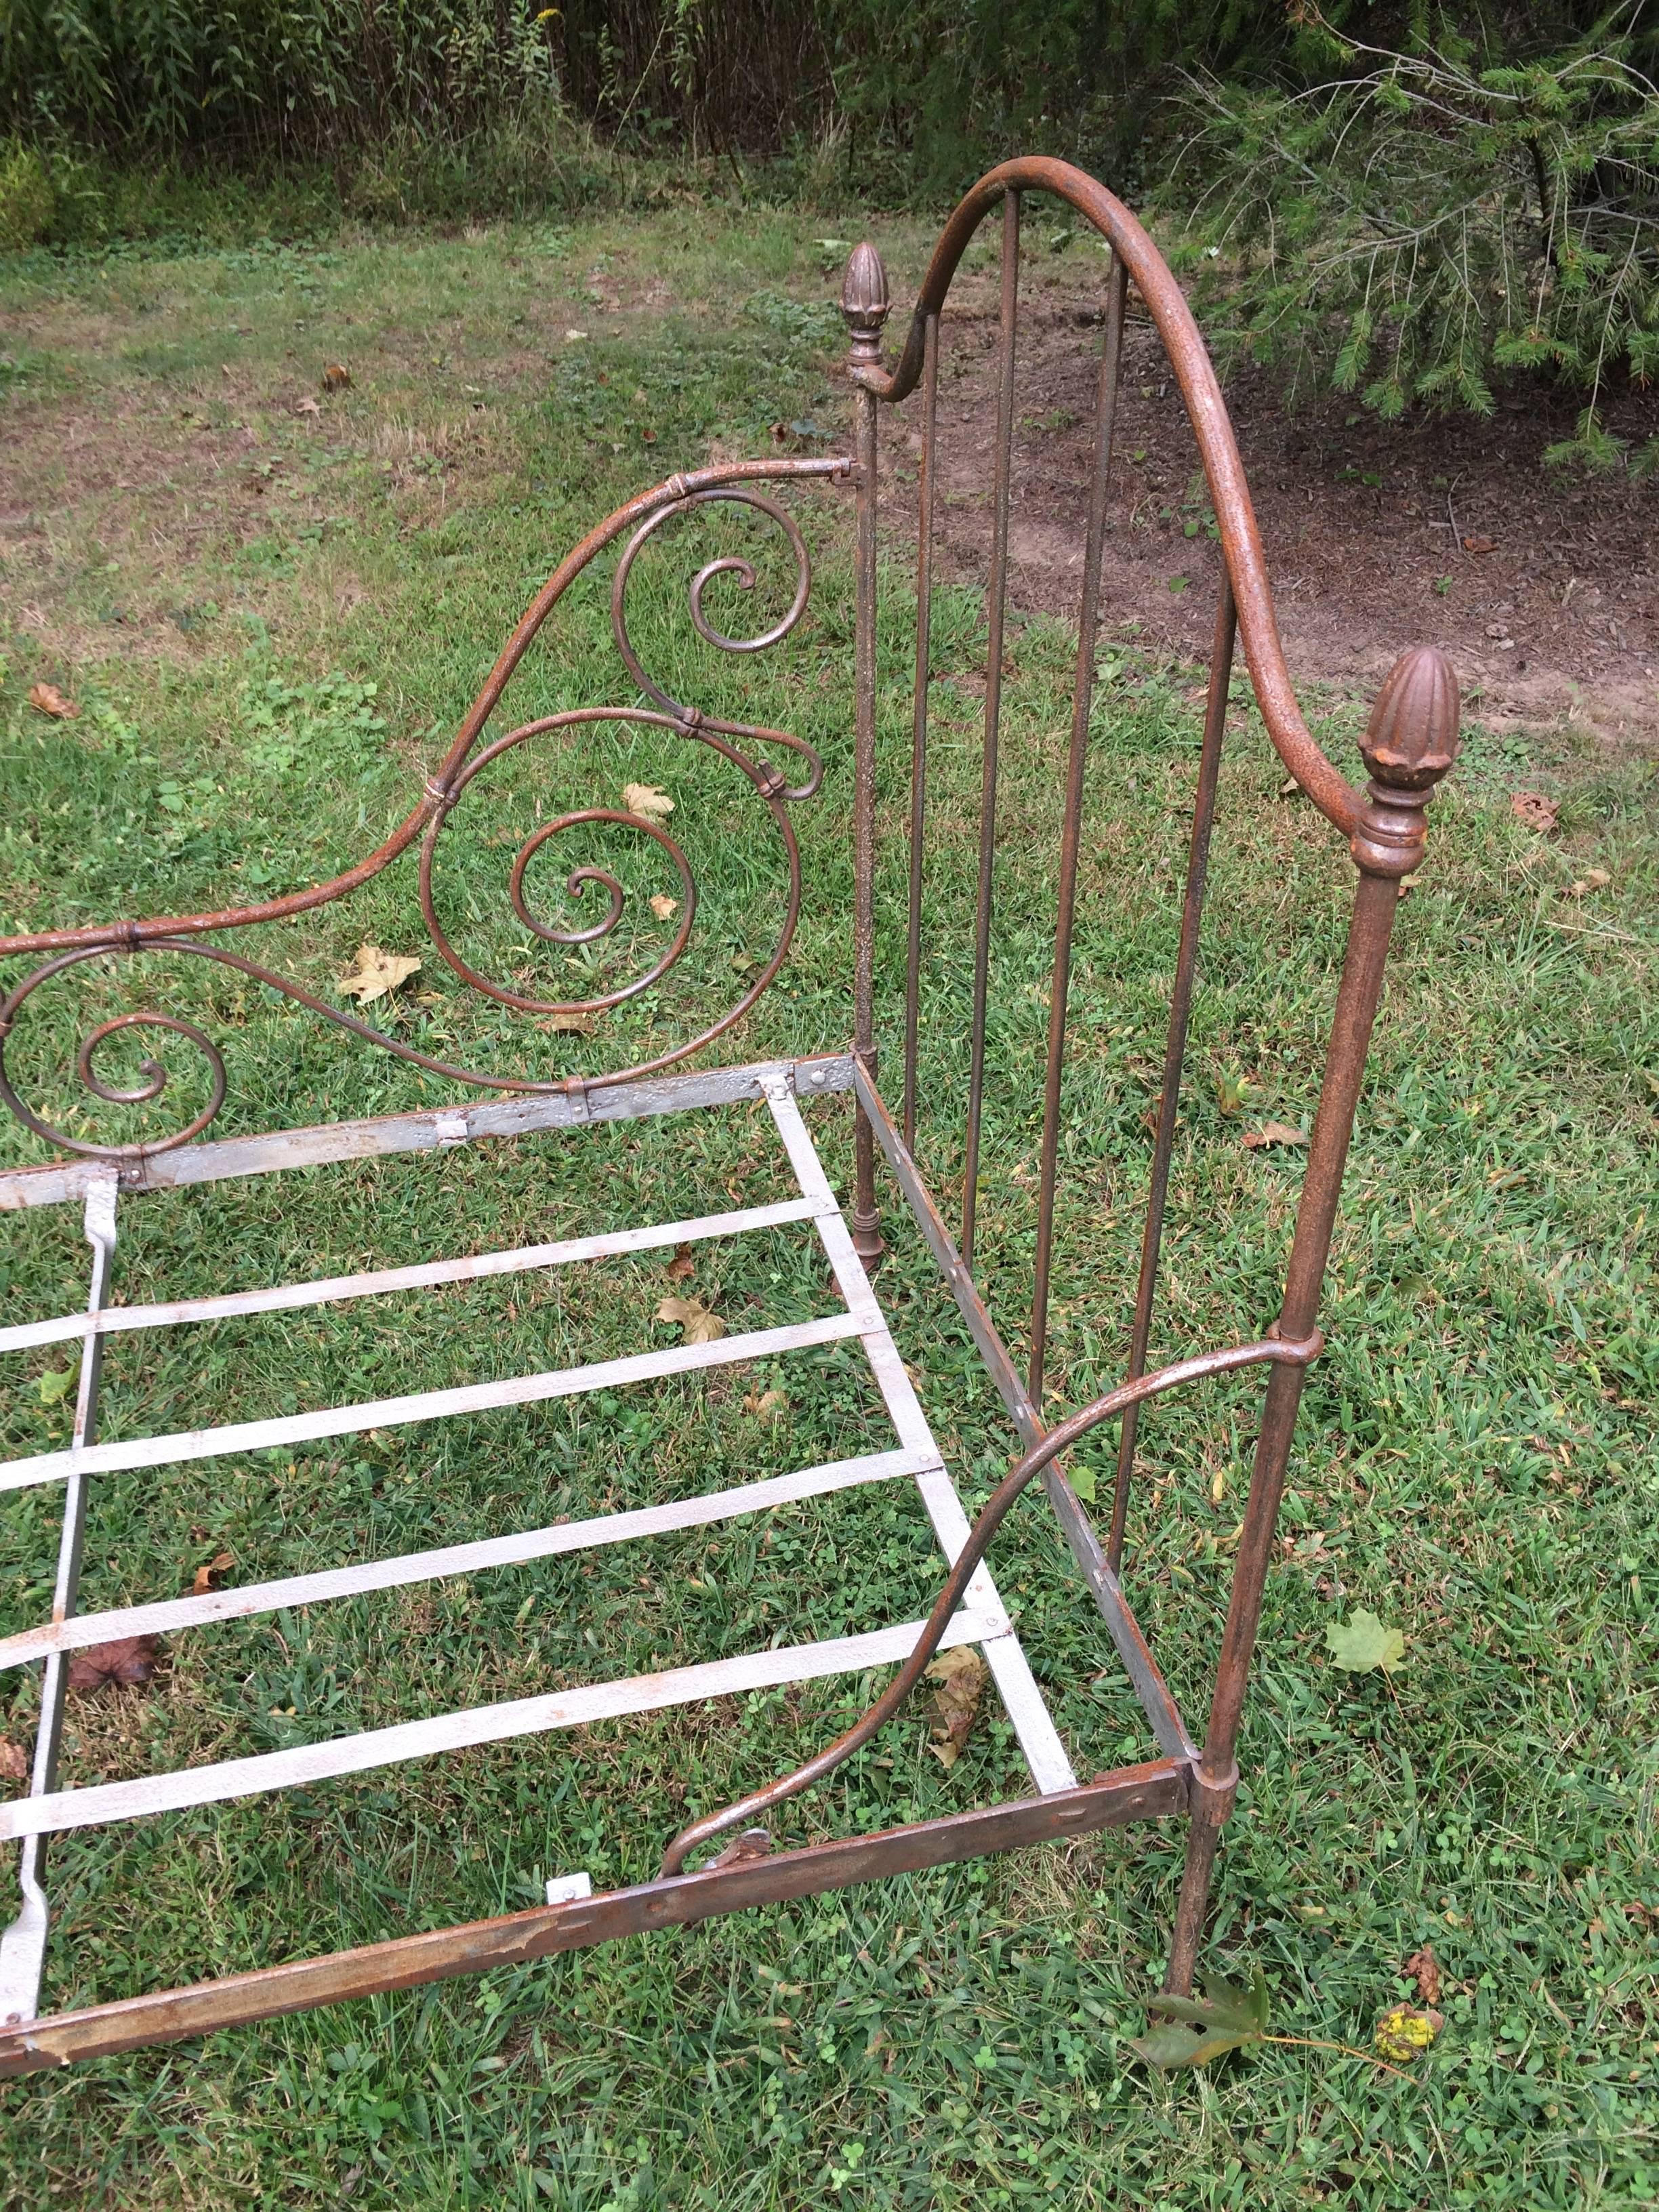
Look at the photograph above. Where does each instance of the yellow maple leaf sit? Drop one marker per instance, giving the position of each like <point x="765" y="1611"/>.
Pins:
<point x="374" y="972"/>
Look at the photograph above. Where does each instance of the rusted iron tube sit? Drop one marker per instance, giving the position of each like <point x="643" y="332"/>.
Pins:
<point x="670" y="492"/>
<point x="1082" y="686"/>
<point x="864" y="303"/>
<point x="1240" y="540"/>
<point x="1175" y="1047"/>
<point x="1279" y="1350"/>
<point x="1146" y="1792"/>
<point x="1410" y="743"/>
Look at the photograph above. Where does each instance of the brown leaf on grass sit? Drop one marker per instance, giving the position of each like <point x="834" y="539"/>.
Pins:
<point x="682" y="1265"/>
<point x="1424" y="1968"/>
<point x="1536" y="810"/>
<point x="1593" y="880"/>
<point x="766" y="1405"/>
<point x="48" y="699"/>
<point x="570" y="1021"/>
<point x="1290" y="788"/>
<point x="1274" y="1133"/>
<point x="375" y="972"/>
<point x="1480" y="544"/>
<point x="309" y="406"/>
<point x="336" y="377"/>
<point x="128" y="1659"/>
<point x="204" y="1574"/>
<point x="647" y="801"/>
<point x="14" y="1761"/>
<point x="739" y="1176"/>
<point x="701" y="1326"/>
<point x="662" y="906"/>
<point x="962" y="1675"/>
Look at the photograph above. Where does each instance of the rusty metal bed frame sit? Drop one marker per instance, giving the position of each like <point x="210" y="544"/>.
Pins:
<point x="1409" y="745"/>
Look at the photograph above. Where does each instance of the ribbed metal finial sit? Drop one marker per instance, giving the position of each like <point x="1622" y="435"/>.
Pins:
<point x="1411" y="740"/>
<point x="865" y="301"/>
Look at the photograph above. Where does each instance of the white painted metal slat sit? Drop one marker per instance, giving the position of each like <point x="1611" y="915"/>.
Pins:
<point x="1039" y="1739"/>
<point x="241" y="1603"/>
<point x="287" y="1297"/>
<point x="185" y="1444"/>
<point x="457" y="1731"/>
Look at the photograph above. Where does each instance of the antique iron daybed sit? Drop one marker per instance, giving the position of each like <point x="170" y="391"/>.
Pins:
<point x="1409" y="745"/>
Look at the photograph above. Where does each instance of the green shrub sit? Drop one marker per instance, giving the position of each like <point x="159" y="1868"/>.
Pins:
<point x="26" y="199"/>
<point x="1420" y="226"/>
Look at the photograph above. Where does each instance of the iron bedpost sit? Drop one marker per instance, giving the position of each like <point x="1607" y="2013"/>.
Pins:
<point x="1409" y="744"/>
<point x="864" y="302"/>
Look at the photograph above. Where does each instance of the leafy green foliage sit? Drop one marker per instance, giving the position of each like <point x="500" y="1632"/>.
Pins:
<point x="1422" y="226"/>
<point x="1198" y="2029"/>
<point x="1361" y="1644"/>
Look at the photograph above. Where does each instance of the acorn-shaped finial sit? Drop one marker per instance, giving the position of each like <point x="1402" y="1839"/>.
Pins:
<point x="1411" y="740"/>
<point x="864" y="301"/>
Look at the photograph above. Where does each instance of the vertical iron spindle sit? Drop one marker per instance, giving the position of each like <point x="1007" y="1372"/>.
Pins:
<point x="1175" y="1046"/>
<point x="1070" y="835"/>
<point x="864" y="302"/>
<point x="919" y="728"/>
<point x="996" y="591"/>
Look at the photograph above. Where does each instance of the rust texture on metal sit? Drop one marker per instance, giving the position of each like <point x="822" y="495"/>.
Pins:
<point x="1162" y="1715"/>
<point x="1149" y="1791"/>
<point x="1175" y="1050"/>
<point x="1070" y="842"/>
<point x="1410" y="744"/>
<point x="864" y="303"/>
<point x="925" y="488"/>
<point x="1280" y="1350"/>
<point x="1240" y="540"/>
<point x="744" y="746"/>
<point x="996" y="610"/>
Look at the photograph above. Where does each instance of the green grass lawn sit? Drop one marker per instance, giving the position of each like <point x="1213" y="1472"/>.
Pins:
<point x="271" y="619"/>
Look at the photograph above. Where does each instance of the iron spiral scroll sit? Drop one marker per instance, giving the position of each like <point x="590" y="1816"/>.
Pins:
<point x="744" y="746"/>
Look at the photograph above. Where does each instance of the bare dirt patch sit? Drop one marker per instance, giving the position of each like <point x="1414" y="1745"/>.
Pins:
<point x="1364" y="522"/>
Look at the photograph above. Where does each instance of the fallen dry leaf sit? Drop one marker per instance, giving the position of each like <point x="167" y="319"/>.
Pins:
<point x="128" y="1659"/>
<point x="48" y="699"/>
<point x="375" y="972"/>
<point x="664" y="907"/>
<point x="766" y="1405"/>
<point x="1537" y="811"/>
<point x="1274" y="1133"/>
<point x="739" y="1176"/>
<point x="962" y="1675"/>
<point x="336" y="377"/>
<point x="701" y="1326"/>
<point x="572" y="337"/>
<point x="682" y="1264"/>
<point x="1290" y="788"/>
<point x="752" y="1844"/>
<point x="645" y="799"/>
<point x="570" y="1021"/>
<point x="1594" y="879"/>
<point x="216" y="1565"/>
<point x="14" y="1761"/>
<point x="309" y="406"/>
<point x="1424" y="1968"/>
<point x="1480" y="544"/>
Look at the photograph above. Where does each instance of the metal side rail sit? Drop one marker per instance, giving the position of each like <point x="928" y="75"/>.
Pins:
<point x="1152" y="1791"/>
<point x="1163" y="1714"/>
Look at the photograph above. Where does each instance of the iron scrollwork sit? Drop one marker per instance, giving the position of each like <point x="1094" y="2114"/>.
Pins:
<point x="744" y="746"/>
